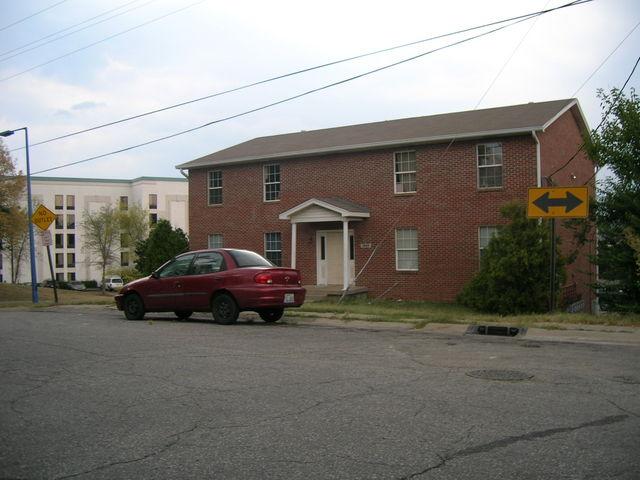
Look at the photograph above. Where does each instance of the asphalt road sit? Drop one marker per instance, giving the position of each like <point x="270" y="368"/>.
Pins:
<point x="86" y="394"/>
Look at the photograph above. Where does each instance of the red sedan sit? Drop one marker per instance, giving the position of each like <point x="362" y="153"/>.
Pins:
<point x="222" y="281"/>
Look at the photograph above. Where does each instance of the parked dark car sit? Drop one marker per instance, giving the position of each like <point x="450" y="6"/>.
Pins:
<point x="222" y="281"/>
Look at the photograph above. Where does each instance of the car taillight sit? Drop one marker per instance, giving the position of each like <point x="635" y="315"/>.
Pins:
<point x="264" y="278"/>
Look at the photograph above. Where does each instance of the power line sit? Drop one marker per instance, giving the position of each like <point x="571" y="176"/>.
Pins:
<point x="285" y="100"/>
<point x="504" y="65"/>
<point x="102" y="41"/>
<point x="606" y="59"/>
<point x="31" y="16"/>
<point x="305" y="70"/>
<point x="604" y="117"/>
<point x="7" y="54"/>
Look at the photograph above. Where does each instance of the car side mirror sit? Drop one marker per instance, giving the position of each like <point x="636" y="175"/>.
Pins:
<point x="155" y="275"/>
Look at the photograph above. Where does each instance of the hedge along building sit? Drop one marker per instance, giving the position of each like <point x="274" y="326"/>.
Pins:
<point x="402" y="208"/>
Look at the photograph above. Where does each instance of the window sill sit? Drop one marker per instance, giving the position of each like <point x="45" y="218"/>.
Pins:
<point x="404" y="194"/>
<point x="407" y="271"/>
<point x="215" y="205"/>
<point x="271" y="201"/>
<point x="490" y="189"/>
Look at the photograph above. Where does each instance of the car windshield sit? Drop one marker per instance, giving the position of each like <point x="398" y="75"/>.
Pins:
<point x="245" y="258"/>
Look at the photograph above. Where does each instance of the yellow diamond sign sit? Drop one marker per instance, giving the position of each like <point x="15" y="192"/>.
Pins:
<point x="43" y="217"/>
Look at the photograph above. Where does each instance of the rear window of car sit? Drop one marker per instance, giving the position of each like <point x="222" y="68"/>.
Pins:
<point x="245" y="258"/>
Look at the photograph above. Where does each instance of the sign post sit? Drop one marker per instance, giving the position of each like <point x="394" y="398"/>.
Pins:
<point x="552" y="203"/>
<point x="43" y="218"/>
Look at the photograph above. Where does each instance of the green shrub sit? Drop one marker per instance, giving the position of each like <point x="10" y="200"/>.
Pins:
<point x="514" y="272"/>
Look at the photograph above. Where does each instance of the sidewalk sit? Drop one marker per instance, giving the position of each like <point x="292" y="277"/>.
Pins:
<point x="597" y="334"/>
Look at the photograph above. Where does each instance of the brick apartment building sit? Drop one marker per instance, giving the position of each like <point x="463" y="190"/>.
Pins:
<point x="402" y="207"/>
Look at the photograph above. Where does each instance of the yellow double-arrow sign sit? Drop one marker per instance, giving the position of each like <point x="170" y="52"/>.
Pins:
<point x="558" y="202"/>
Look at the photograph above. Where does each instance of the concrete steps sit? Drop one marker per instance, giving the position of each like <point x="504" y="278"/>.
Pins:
<point x="321" y="292"/>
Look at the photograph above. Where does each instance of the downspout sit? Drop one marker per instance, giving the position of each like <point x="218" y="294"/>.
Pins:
<point x="184" y="174"/>
<point x="538" y="161"/>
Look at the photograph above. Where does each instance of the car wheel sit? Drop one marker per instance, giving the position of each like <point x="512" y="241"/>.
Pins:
<point x="224" y="309"/>
<point x="271" y="315"/>
<point x="183" y="314"/>
<point x="133" y="307"/>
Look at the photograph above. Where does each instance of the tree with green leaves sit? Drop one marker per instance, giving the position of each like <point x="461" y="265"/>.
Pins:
<point x="514" y="271"/>
<point x="134" y="224"/>
<point x="14" y="225"/>
<point x="13" y="219"/>
<point x="616" y="146"/>
<point x="101" y="231"/>
<point x="164" y="243"/>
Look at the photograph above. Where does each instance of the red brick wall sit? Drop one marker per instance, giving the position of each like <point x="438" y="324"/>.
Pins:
<point x="447" y="211"/>
<point x="559" y="143"/>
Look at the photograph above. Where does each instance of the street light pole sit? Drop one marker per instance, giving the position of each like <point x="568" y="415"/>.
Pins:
<point x="32" y="255"/>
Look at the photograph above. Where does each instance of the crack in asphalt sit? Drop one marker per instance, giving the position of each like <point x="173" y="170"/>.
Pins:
<point x="177" y="437"/>
<point x="510" y="440"/>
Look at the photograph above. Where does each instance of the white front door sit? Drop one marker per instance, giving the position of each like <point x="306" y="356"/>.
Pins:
<point x="329" y="259"/>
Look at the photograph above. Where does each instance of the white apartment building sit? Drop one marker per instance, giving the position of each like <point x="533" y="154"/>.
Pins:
<point x="164" y="198"/>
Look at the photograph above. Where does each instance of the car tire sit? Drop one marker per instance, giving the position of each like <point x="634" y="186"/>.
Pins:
<point x="271" y="315"/>
<point x="183" y="314"/>
<point x="133" y="307"/>
<point x="224" y="309"/>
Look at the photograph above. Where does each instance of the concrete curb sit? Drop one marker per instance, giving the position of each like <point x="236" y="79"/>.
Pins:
<point x="594" y="334"/>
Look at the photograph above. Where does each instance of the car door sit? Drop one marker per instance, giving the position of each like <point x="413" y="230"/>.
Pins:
<point x="165" y="292"/>
<point x="203" y="279"/>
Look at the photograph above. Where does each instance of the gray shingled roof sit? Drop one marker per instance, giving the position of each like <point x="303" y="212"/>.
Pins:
<point x="345" y="204"/>
<point x="475" y="123"/>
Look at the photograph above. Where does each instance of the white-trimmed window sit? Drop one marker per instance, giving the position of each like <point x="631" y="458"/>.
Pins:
<point x="271" y="175"/>
<point x="215" y="187"/>
<point x="404" y="170"/>
<point x="215" y="240"/>
<point x="489" y="165"/>
<point x="406" y="249"/>
<point x="273" y="247"/>
<point x="485" y="234"/>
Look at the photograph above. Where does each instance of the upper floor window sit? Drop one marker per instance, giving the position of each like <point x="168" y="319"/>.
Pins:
<point x="124" y="259"/>
<point x="404" y="168"/>
<point x="71" y="202"/>
<point x="59" y="240"/>
<point x="153" y="201"/>
<point x="59" y="202"/>
<point x="59" y="221"/>
<point x="215" y="240"/>
<point x="271" y="182"/>
<point x="406" y="249"/>
<point x="124" y="203"/>
<point x="71" y="221"/>
<point x="489" y="165"/>
<point x="273" y="247"/>
<point x="215" y="187"/>
<point x="71" y="260"/>
<point x="153" y="218"/>
<point x="71" y="240"/>
<point x="485" y="234"/>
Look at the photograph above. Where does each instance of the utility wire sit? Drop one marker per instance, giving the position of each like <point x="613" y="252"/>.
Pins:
<point x="103" y="40"/>
<point x="305" y="70"/>
<point x="41" y="41"/>
<point x="504" y="65"/>
<point x="31" y="16"/>
<point x="288" y="99"/>
<point x="604" y="117"/>
<point x="606" y="59"/>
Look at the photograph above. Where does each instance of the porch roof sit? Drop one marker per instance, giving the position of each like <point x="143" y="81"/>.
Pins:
<point x="325" y="210"/>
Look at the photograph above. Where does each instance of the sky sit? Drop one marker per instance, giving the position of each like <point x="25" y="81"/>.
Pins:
<point x="178" y="50"/>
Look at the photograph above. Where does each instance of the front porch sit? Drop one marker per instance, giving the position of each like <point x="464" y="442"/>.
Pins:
<point x="334" y="251"/>
<point x="316" y="293"/>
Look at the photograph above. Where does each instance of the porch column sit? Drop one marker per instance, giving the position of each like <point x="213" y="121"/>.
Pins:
<point x="293" y="244"/>
<point x="345" y="254"/>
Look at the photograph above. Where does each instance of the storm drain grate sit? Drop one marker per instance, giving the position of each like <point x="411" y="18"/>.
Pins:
<point x="500" y="375"/>
<point x="499" y="330"/>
